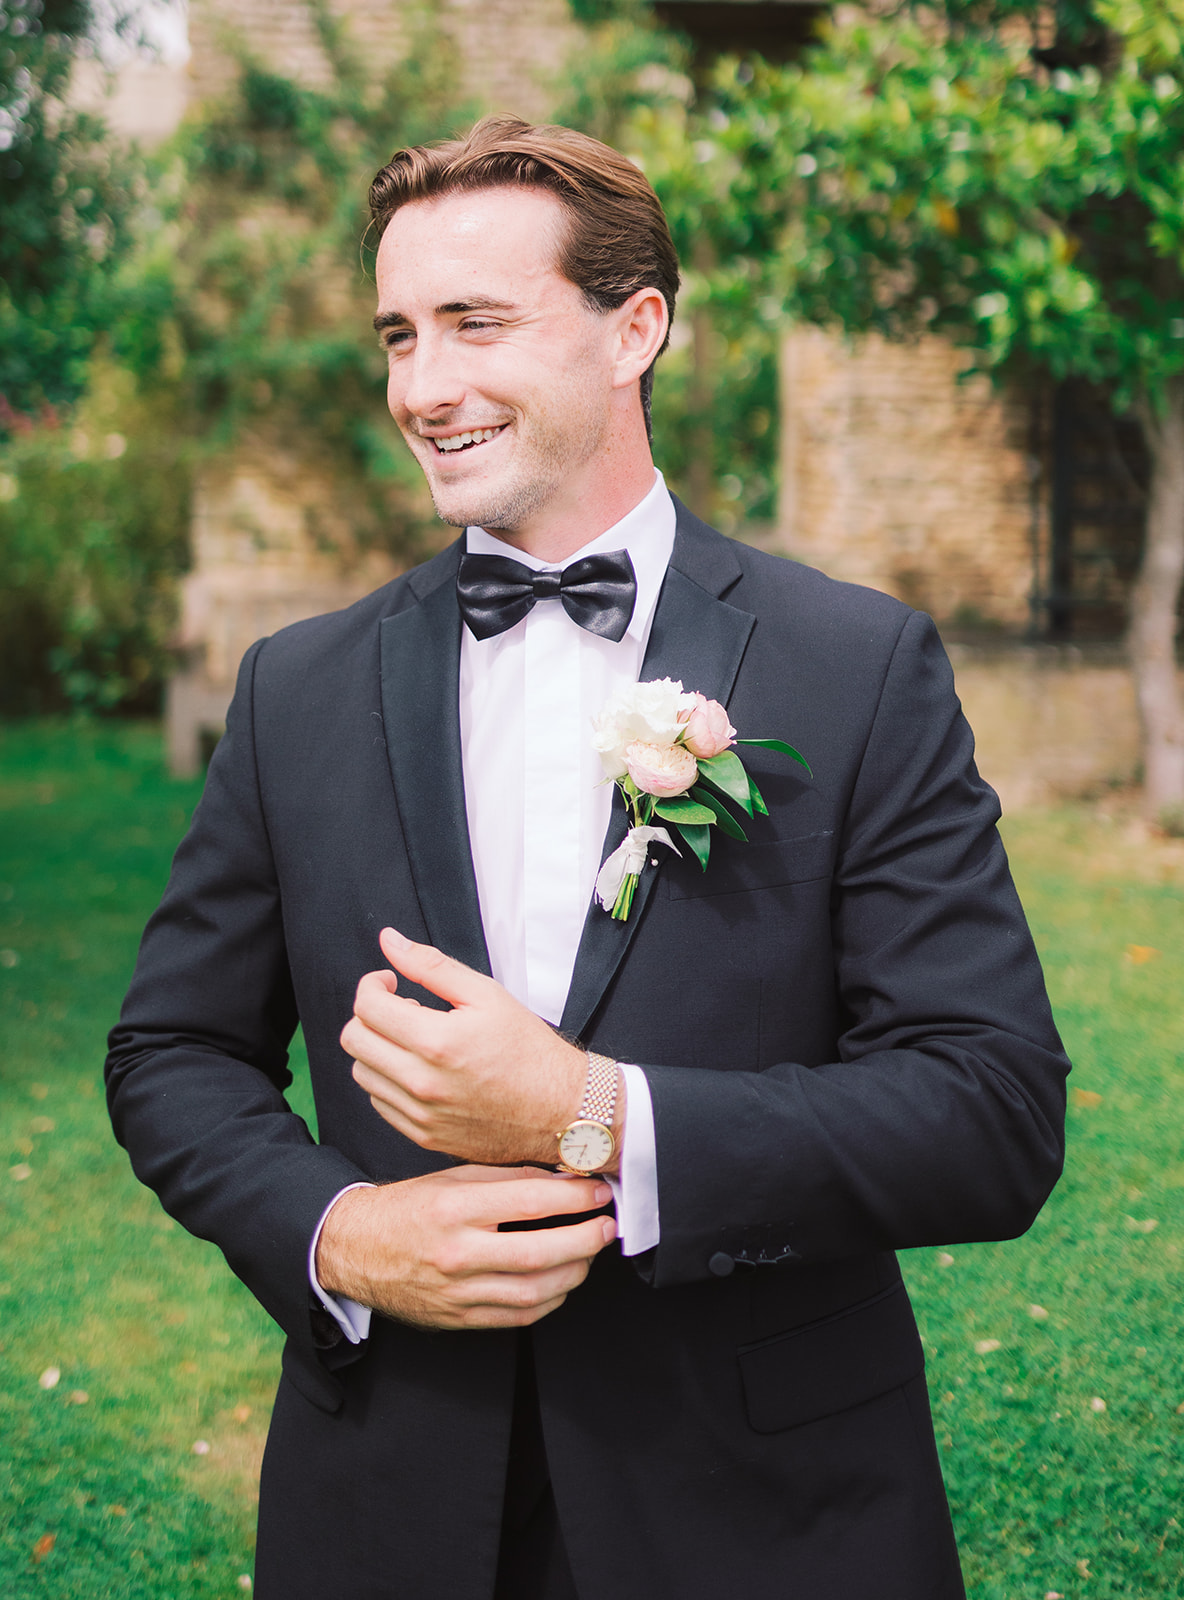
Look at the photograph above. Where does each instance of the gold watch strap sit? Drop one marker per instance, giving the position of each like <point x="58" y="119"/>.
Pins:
<point x="600" y="1093"/>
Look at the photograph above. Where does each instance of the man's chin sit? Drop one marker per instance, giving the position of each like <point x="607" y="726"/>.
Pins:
<point x="500" y="514"/>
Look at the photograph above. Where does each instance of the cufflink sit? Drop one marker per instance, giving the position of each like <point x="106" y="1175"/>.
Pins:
<point x="721" y="1264"/>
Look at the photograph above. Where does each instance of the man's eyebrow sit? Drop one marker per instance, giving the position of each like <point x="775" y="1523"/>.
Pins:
<point x="453" y="308"/>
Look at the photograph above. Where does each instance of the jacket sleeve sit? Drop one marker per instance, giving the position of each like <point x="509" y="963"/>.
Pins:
<point x="199" y="1059"/>
<point x="942" y="1117"/>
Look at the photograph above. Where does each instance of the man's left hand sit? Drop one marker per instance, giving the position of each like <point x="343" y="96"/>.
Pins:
<point x="488" y="1081"/>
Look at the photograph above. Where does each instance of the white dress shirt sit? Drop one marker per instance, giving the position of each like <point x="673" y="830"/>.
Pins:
<point x="538" y="807"/>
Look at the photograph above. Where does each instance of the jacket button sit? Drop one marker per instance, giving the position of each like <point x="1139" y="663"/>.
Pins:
<point x="721" y="1264"/>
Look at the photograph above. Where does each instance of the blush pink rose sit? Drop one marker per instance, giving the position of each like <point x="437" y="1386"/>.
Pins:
<point x="661" y="769"/>
<point x="709" y="733"/>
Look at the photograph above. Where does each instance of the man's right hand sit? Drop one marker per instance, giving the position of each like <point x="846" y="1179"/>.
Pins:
<point x="427" y="1251"/>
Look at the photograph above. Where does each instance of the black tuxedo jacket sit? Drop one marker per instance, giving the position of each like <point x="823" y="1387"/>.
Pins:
<point x="845" y="1033"/>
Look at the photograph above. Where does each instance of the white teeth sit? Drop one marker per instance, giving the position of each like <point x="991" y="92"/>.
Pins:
<point x="457" y="441"/>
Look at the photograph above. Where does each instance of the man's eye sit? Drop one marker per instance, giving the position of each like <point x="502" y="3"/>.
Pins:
<point x="393" y="338"/>
<point x="477" y="324"/>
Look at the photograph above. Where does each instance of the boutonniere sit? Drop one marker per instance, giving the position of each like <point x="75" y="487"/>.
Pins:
<point x="670" y="754"/>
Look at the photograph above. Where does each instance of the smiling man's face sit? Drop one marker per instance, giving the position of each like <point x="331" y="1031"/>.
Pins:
<point x="501" y="376"/>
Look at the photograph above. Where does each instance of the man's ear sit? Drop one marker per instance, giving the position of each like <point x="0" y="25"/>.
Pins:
<point x="641" y="324"/>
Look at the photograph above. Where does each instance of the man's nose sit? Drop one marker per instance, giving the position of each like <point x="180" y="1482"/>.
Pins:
<point x="432" y="379"/>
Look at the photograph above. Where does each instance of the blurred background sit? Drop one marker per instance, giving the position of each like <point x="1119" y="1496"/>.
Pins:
<point x="931" y="339"/>
<point x="932" y="335"/>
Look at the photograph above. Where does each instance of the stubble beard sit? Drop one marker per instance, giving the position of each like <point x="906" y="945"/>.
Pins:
<point x="548" y="457"/>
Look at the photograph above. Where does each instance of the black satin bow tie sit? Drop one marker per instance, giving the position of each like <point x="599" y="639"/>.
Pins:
<point x="597" y="592"/>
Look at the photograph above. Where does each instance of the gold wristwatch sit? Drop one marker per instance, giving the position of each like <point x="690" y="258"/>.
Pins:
<point x="587" y="1145"/>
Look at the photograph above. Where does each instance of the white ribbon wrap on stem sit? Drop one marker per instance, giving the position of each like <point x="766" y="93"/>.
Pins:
<point x="628" y="857"/>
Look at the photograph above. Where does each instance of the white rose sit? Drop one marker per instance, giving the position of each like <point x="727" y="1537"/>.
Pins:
<point x="646" y="711"/>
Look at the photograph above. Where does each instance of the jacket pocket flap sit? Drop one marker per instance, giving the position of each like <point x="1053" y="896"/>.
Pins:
<point x="734" y="867"/>
<point x="832" y="1364"/>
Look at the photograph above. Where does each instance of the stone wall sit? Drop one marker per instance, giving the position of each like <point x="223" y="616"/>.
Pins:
<point x="510" y="51"/>
<point x="1051" y="722"/>
<point x="271" y="544"/>
<point x="896" y="475"/>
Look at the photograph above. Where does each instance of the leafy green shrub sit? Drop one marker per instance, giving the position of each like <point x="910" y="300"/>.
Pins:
<point x="93" y="534"/>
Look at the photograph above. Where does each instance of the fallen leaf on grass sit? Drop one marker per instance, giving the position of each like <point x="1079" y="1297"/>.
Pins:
<point x="1142" y="1224"/>
<point x="43" y="1546"/>
<point x="244" y="1580"/>
<point x="1054" y="1594"/>
<point x="77" y="1397"/>
<point x="9" y="958"/>
<point x="984" y="1347"/>
<point x="1180" y="1409"/>
<point x="1140" y="954"/>
<point x="945" y="1259"/>
<point x="25" y="1146"/>
<point x="1083" y="1567"/>
<point x="50" y="1378"/>
<point x="42" y="1124"/>
<point x="20" y="1172"/>
<point x="201" y="1447"/>
<point x="1086" y="1098"/>
<point x="1038" y="1313"/>
<point x="117" y="1511"/>
<point x="1097" y="1404"/>
<point x="39" y="1090"/>
<point x="241" y="1413"/>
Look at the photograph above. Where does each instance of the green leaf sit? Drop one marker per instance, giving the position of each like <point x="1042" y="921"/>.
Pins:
<point x="759" y="807"/>
<point x="726" y="773"/>
<point x="697" y="841"/>
<point x="777" y="744"/>
<point x="680" y="810"/>
<point x="726" y="821"/>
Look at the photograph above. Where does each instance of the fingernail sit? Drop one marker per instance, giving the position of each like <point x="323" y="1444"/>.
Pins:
<point x="603" y="1193"/>
<point x="393" y="936"/>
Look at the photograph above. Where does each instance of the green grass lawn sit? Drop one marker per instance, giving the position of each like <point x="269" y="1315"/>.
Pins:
<point x="1054" y="1361"/>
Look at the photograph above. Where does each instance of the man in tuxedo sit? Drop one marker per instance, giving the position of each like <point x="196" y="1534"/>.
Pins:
<point x="687" y="1365"/>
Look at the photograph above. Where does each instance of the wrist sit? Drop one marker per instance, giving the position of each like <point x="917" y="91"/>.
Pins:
<point x="590" y="1142"/>
<point x="337" y="1248"/>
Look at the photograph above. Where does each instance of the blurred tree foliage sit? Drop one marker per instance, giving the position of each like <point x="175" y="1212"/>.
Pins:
<point x="67" y="200"/>
<point x="93" y="532"/>
<point x="92" y="503"/>
<point x="963" y="169"/>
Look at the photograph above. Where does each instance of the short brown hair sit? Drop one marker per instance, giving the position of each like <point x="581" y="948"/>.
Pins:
<point x="617" y="240"/>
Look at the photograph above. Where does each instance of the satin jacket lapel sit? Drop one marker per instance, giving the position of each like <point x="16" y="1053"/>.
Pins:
<point x="699" y="638"/>
<point x="420" y="653"/>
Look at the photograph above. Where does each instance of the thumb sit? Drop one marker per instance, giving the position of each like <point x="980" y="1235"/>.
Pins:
<point x="441" y="975"/>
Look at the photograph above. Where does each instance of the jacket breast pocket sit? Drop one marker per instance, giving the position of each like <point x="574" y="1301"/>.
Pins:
<point x="736" y="868"/>
<point x="833" y="1364"/>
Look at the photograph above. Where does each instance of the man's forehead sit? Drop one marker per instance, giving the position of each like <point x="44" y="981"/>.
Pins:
<point x="494" y="236"/>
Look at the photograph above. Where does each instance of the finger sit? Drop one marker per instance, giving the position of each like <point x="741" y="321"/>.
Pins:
<point x="434" y="971"/>
<point x="527" y="1199"/>
<point x="523" y="1255"/>
<point x="503" y="1316"/>
<point x="545" y="1250"/>
<point x="520" y="1291"/>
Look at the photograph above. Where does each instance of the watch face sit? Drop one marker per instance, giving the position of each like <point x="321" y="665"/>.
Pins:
<point x="586" y="1146"/>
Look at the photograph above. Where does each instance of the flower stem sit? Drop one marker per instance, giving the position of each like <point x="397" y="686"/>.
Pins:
<point x="624" y="901"/>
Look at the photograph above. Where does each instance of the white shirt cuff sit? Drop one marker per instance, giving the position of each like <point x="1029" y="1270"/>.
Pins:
<point x="353" y="1319"/>
<point x="636" y="1190"/>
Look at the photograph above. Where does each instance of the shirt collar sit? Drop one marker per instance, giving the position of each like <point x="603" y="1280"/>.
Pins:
<point x="647" y="532"/>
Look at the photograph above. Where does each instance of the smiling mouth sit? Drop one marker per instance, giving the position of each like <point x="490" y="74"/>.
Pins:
<point x="466" y="441"/>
